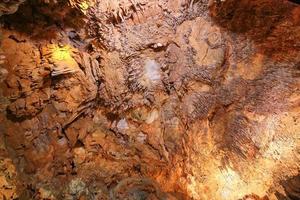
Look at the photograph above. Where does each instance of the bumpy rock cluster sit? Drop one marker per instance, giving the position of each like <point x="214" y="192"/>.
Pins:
<point x="159" y="99"/>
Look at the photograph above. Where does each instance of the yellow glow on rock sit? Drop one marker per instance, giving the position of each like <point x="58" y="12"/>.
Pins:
<point x="62" y="53"/>
<point x="84" y="5"/>
<point x="230" y="184"/>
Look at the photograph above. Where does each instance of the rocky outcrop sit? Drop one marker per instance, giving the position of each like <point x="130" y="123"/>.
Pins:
<point x="150" y="100"/>
<point x="10" y="6"/>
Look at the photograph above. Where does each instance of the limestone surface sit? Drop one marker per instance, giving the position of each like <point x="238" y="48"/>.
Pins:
<point x="156" y="100"/>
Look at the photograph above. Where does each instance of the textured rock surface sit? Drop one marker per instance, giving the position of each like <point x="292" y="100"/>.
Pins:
<point x="9" y="6"/>
<point x="159" y="99"/>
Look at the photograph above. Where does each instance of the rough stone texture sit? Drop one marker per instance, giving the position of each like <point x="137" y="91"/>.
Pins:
<point x="159" y="99"/>
<point x="9" y="6"/>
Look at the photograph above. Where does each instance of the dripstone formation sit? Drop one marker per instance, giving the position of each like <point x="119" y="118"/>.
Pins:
<point x="156" y="100"/>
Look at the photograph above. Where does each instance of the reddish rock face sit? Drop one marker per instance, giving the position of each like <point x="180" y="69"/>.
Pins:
<point x="150" y="100"/>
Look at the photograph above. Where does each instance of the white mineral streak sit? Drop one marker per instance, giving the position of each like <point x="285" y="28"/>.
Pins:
<point x="151" y="72"/>
<point x="122" y="125"/>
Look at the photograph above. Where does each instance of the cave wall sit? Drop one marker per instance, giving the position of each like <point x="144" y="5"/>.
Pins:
<point x="160" y="99"/>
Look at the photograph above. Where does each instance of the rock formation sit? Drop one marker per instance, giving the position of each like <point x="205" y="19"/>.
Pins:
<point x="157" y="99"/>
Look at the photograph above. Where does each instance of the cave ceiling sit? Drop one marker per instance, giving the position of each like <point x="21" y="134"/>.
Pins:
<point x="149" y="99"/>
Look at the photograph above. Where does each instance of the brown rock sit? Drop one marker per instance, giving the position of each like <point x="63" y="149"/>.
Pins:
<point x="158" y="99"/>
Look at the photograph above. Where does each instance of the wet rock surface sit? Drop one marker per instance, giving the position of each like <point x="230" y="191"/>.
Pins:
<point x="150" y="100"/>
